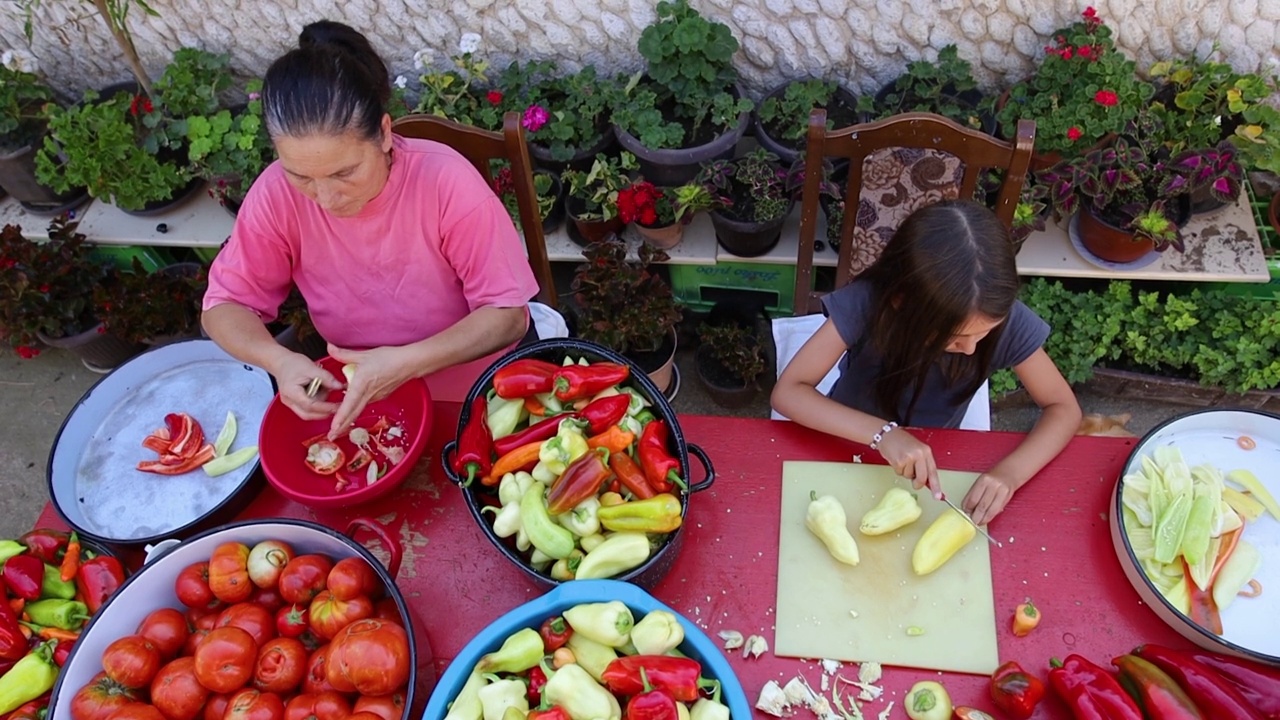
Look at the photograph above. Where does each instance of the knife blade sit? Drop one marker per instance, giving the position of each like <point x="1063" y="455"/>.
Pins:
<point x="975" y="525"/>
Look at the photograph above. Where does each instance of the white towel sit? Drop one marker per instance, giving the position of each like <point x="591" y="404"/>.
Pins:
<point x="550" y="324"/>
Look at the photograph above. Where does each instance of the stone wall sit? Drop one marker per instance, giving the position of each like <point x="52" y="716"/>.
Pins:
<point x="862" y="43"/>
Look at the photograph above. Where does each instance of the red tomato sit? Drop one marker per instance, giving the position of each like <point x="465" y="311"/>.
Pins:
<point x="252" y="618"/>
<point x="385" y="609"/>
<point x="317" y="678"/>
<point x="366" y="715"/>
<point x="101" y="697"/>
<point x="167" y="629"/>
<point x="136" y="711"/>
<point x="280" y="666"/>
<point x="387" y="707"/>
<point x="229" y="572"/>
<point x="352" y="577"/>
<point x="207" y="620"/>
<point x="131" y="661"/>
<point x="325" y="457"/>
<point x="328" y="705"/>
<point x="176" y="692"/>
<point x="192" y="586"/>
<point x="193" y="641"/>
<point x="304" y="577"/>
<point x="224" y="660"/>
<point x="329" y="614"/>
<point x="250" y="704"/>
<point x="216" y="706"/>
<point x="370" y="657"/>
<point x="268" y="598"/>
<point x="291" y="620"/>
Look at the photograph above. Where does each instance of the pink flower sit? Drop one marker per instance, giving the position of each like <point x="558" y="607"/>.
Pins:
<point x="535" y="116"/>
<point x="1073" y="133"/>
<point x="254" y="96"/>
<point x="494" y="97"/>
<point x="1089" y="13"/>
<point x="1106" y="98"/>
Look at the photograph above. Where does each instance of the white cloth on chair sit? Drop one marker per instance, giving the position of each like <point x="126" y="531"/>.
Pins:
<point x="550" y="324"/>
<point x="791" y="333"/>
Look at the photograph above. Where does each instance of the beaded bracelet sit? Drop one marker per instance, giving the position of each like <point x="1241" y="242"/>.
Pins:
<point x="875" y="439"/>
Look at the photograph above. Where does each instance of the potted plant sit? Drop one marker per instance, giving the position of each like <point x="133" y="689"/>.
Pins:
<point x="230" y="149"/>
<point x="782" y="118"/>
<point x="547" y="187"/>
<point x="151" y="308"/>
<point x="750" y="223"/>
<point x="1084" y="92"/>
<point x="592" y="198"/>
<point x="1129" y="203"/>
<point x="566" y="118"/>
<point x="22" y="127"/>
<point x="622" y="304"/>
<point x="461" y="94"/>
<point x="944" y="87"/>
<point x="661" y="214"/>
<point x="299" y="334"/>
<point x="46" y="297"/>
<point x="831" y="192"/>
<point x="730" y="362"/>
<point x="685" y="109"/>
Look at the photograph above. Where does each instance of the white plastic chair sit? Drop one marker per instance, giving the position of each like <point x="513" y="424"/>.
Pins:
<point x="550" y="324"/>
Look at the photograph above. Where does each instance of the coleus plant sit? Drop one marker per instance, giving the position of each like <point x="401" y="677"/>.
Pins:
<point x="1214" y="169"/>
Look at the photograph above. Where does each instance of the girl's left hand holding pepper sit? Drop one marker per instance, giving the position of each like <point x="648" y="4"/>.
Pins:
<point x="987" y="498"/>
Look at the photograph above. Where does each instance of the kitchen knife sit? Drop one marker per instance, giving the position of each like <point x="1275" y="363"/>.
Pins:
<point x="975" y="525"/>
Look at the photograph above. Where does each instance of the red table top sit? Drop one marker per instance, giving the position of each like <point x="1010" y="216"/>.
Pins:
<point x="726" y="575"/>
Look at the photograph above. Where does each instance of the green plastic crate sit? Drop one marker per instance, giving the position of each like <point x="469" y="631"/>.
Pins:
<point x="152" y="258"/>
<point x="205" y="254"/>
<point x="701" y="286"/>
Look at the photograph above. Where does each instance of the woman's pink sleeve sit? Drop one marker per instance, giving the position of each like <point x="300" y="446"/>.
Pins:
<point x="253" y="268"/>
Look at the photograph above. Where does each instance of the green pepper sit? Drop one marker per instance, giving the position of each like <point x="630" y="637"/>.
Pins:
<point x="506" y="520"/>
<point x="644" y="417"/>
<point x="594" y="657"/>
<point x="513" y="486"/>
<point x="568" y="445"/>
<point x="637" y="402"/>
<point x="579" y="695"/>
<point x="518" y="653"/>
<point x="504" y="415"/>
<point x="544" y="533"/>
<point x="608" y="623"/>
<point x="549" y="401"/>
<point x="53" y="586"/>
<point x="28" y="679"/>
<point x="466" y="706"/>
<point x="61" y="614"/>
<point x="619" y="552"/>
<point x="706" y="709"/>
<point x="10" y="548"/>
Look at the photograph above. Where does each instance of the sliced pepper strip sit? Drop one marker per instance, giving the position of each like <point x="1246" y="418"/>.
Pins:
<point x="204" y="455"/>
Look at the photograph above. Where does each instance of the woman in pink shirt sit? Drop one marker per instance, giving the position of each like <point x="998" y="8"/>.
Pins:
<point x="409" y="263"/>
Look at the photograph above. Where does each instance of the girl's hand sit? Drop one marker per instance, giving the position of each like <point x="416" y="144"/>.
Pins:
<point x="293" y="375"/>
<point x="380" y="371"/>
<point x="987" y="498"/>
<point x="911" y="459"/>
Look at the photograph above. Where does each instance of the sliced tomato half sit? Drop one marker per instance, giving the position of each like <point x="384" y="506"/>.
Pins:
<point x="325" y="457"/>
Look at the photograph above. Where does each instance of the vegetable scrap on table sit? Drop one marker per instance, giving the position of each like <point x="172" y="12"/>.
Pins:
<point x="843" y="704"/>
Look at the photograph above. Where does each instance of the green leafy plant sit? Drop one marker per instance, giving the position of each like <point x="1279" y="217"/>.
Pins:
<point x="231" y="150"/>
<point x="544" y="186"/>
<point x="461" y="94"/>
<point x="136" y="305"/>
<point x="622" y="304"/>
<point x="938" y="87"/>
<point x="45" y="287"/>
<point x="22" y="97"/>
<point x="755" y="184"/>
<point x="690" y="76"/>
<point x="193" y="83"/>
<point x="1083" y="90"/>
<point x="596" y="190"/>
<point x="787" y="117"/>
<point x="577" y="107"/>
<point x="736" y="349"/>
<point x="1202" y="102"/>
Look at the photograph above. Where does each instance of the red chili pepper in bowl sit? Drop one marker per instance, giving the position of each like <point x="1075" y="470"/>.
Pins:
<point x="1016" y="691"/>
<point x="681" y="676"/>
<point x="23" y="575"/>
<point x="605" y="412"/>
<point x="185" y="434"/>
<point x="575" y="382"/>
<point x="62" y="651"/>
<point x="1206" y="688"/>
<point x="630" y="475"/>
<point x="13" y="644"/>
<point x="537" y="679"/>
<point x="555" y="712"/>
<point x="537" y="432"/>
<point x="1159" y="695"/>
<point x="524" y="378"/>
<point x="660" y="468"/>
<point x="204" y="455"/>
<point x="1257" y="684"/>
<point x="48" y="545"/>
<point x="581" y="480"/>
<point x="97" y="578"/>
<point x="1091" y="691"/>
<point x="555" y="632"/>
<point x="475" y="447"/>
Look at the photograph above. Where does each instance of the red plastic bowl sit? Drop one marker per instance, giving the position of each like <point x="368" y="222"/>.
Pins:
<point x="283" y="454"/>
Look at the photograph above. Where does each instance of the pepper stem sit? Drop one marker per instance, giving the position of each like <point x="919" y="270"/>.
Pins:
<point x="1055" y="663"/>
<point x="674" y="478"/>
<point x="471" y="474"/>
<point x="645" y="679"/>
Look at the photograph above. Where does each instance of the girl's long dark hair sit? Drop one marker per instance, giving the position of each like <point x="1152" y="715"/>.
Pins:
<point x="945" y="263"/>
<point x="332" y="82"/>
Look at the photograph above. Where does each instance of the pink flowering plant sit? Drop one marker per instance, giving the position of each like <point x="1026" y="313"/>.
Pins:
<point x="1084" y="90"/>
<point x="567" y="114"/>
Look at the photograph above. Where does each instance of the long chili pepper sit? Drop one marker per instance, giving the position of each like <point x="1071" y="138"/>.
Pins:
<point x="71" y="561"/>
<point x="574" y="382"/>
<point x="1090" y="691"/>
<point x="1208" y="690"/>
<point x="537" y="432"/>
<point x="475" y="447"/>
<point x="524" y="378"/>
<point x="660" y="469"/>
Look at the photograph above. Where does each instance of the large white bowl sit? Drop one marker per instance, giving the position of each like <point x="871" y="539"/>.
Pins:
<point x="1251" y="627"/>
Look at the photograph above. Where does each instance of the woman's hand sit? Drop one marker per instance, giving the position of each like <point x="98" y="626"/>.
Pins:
<point x="293" y="374"/>
<point x="911" y="459"/>
<point x="987" y="498"/>
<point x="379" y="372"/>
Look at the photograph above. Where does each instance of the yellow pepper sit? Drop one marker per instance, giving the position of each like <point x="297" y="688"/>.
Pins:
<point x="619" y="553"/>
<point x="898" y="508"/>
<point x="568" y="445"/>
<point x="826" y="519"/>
<point x="658" y="514"/>
<point x="950" y="532"/>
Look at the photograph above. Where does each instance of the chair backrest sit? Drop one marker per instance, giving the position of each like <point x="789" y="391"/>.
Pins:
<point x="481" y="146"/>
<point x="904" y="162"/>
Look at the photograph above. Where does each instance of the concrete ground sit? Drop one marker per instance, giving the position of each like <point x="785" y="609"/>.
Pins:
<point x="35" y="396"/>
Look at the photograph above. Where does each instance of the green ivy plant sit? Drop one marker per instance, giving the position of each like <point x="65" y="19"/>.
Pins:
<point x="787" y="117"/>
<point x="934" y="87"/>
<point x="597" y="188"/>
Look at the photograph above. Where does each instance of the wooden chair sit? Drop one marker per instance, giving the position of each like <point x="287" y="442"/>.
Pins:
<point x="481" y="146"/>
<point x="905" y="152"/>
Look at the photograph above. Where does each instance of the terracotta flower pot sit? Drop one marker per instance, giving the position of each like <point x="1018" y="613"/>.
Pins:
<point x="589" y="231"/>
<point x="713" y="377"/>
<point x="663" y="238"/>
<point x="663" y="362"/>
<point x="1109" y="242"/>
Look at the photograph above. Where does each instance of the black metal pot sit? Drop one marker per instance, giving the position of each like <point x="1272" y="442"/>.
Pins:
<point x="554" y="350"/>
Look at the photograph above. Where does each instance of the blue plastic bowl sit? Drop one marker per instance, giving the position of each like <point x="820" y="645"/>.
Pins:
<point x="531" y="614"/>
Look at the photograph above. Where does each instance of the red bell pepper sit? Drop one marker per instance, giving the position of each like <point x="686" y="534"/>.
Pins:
<point x="1159" y="695"/>
<point x="555" y="632"/>
<point x="524" y="378"/>
<point x="475" y="447"/>
<point x="581" y="480"/>
<point x="660" y="468"/>
<point x="48" y="545"/>
<point x="23" y="575"/>
<point x="537" y="679"/>
<point x="605" y="412"/>
<point x="575" y="382"/>
<point x="1016" y="691"/>
<point x="96" y="579"/>
<point x="652" y="704"/>
<point x="630" y="475"/>
<point x="680" y="676"/>
<point x="13" y="644"/>
<point x="1257" y="684"/>
<point x="204" y="455"/>
<point x="185" y="434"/>
<point x="1091" y="691"/>
<point x="555" y="712"/>
<point x="537" y="432"/>
<point x="1207" y="689"/>
<point x="34" y="710"/>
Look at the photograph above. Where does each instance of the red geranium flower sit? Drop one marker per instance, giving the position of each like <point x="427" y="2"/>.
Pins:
<point x="1073" y="133"/>
<point x="1106" y="98"/>
<point x="494" y="97"/>
<point x="27" y="352"/>
<point x="1066" y="53"/>
<point x="1085" y="50"/>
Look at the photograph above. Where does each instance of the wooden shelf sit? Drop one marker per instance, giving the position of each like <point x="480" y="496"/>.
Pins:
<point x="784" y="253"/>
<point x="198" y="222"/>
